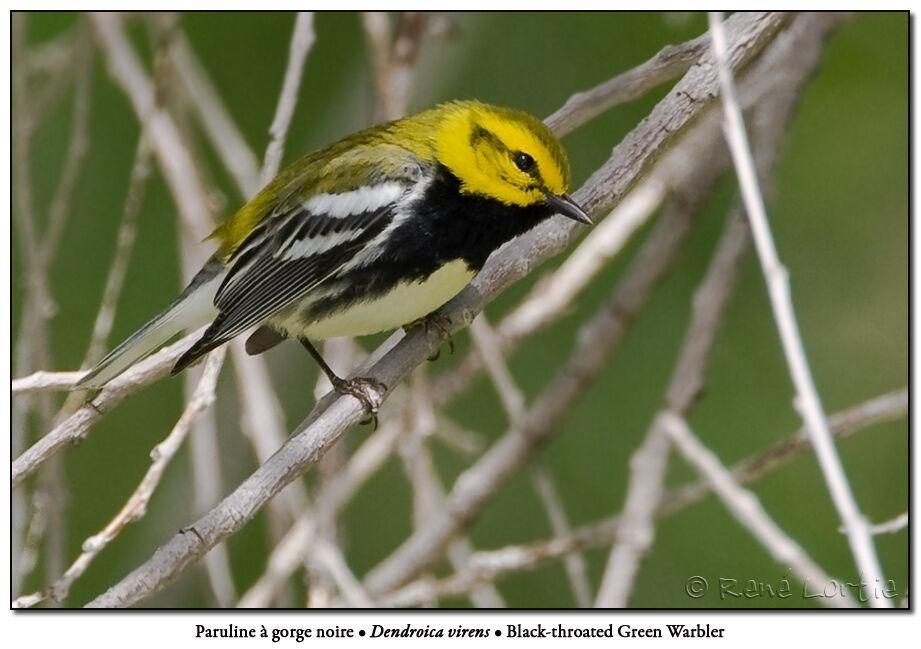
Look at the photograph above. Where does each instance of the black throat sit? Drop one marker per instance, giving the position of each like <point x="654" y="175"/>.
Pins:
<point x="451" y="225"/>
<point x="446" y="226"/>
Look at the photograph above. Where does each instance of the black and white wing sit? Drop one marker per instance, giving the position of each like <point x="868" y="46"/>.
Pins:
<point x="292" y="252"/>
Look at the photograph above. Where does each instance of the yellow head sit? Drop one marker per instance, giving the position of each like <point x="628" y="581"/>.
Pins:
<point x="504" y="154"/>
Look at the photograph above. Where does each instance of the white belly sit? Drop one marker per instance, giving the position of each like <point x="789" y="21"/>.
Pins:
<point x="401" y="306"/>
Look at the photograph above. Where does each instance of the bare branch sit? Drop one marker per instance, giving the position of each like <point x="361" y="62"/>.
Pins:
<point x="428" y="491"/>
<point x="332" y="416"/>
<point x="79" y="65"/>
<point x="886" y="407"/>
<point x="330" y="557"/>
<point x="748" y="511"/>
<point x="136" y="505"/>
<point x="596" y="340"/>
<point x="33" y="345"/>
<point x="43" y="381"/>
<point x="76" y="426"/>
<point x="190" y="197"/>
<point x="175" y="160"/>
<point x="891" y="526"/>
<point x="689" y="103"/>
<point x="207" y="484"/>
<point x="125" y="238"/>
<point x="475" y="484"/>
<point x="574" y="562"/>
<point x="301" y="42"/>
<point x="394" y="59"/>
<point x="636" y="530"/>
<point x="670" y="62"/>
<point x="489" y="565"/>
<point x="262" y="423"/>
<point x="807" y="400"/>
<point x="214" y="116"/>
<point x="486" y="340"/>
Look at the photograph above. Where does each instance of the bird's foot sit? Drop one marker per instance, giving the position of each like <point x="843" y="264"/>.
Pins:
<point x="369" y="392"/>
<point x="438" y="323"/>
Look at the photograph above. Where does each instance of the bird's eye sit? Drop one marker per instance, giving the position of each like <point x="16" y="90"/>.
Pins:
<point x="523" y="161"/>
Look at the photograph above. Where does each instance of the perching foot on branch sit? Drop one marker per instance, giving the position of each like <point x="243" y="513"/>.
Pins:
<point x="369" y="392"/>
<point x="438" y="323"/>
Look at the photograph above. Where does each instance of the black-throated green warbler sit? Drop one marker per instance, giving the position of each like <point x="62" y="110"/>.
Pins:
<point x="369" y="234"/>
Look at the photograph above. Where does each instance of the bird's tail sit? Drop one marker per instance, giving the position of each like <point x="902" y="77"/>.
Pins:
<point x="192" y="309"/>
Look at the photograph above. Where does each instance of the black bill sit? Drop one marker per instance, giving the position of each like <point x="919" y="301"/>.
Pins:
<point x="564" y="205"/>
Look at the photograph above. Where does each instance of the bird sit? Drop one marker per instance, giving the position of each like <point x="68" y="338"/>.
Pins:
<point x="371" y="233"/>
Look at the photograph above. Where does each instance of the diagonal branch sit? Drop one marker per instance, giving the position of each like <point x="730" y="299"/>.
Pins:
<point x="636" y="530"/>
<point x="333" y="415"/>
<point x="489" y="565"/>
<point x="301" y="42"/>
<point x="76" y="426"/>
<point x="744" y="505"/>
<point x="136" y="505"/>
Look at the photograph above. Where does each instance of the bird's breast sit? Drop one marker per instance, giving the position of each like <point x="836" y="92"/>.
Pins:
<point x="404" y="303"/>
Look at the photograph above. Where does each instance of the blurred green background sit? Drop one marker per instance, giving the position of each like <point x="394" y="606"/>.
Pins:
<point x="840" y="218"/>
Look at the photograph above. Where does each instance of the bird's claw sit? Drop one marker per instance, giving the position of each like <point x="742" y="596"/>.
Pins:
<point x="369" y="392"/>
<point x="440" y="324"/>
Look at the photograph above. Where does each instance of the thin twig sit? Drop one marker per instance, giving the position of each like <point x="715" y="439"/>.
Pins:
<point x="573" y="562"/>
<point x="43" y="381"/>
<point x="330" y="557"/>
<point x="648" y="464"/>
<point x="489" y="565"/>
<point x="125" y="238"/>
<point x="807" y="400"/>
<point x="688" y="105"/>
<point x="37" y="250"/>
<point x="552" y="296"/>
<point x="207" y="487"/>
<point x="428" y="491"/>
<point x="595" y="341"/>
<point x="32" y="335"/>
<point x="301" y="42"/>
<point x="80" y="60"/>
<point x="214" y="116"/>
<point x="78" y="424"/>
<point x="669" y="62"/>
<point x="332" y="416"/>
<point x="744" y="505"/>
<point x="486" y="341"/>
<point x="136" y="505"/>
<point x="393" y="58"/>
<point x="333" y="495"/>
<point x="191" y="199"/>
<point x="886" y="407"/>
<point x="262" y="422"/>
<point x="203" y="445"/>
<point x="891" y="526"/>
<point x="513" y="401"/>
<point x="636" y="529"/>
<point x="176" y="162"/>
